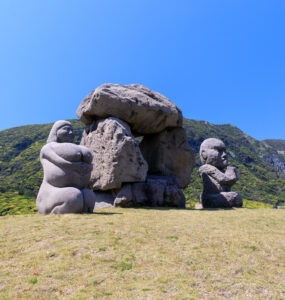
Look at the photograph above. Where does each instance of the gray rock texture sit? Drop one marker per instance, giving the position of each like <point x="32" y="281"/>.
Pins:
<point x="217" y="176"/>
<point x="104" y="199"/>
<point x="169" y="154"/>
<point x="156" y="191"/>
<point x="67" y="169"/>
<point x="116" y="155"/>
<point x="144" y="110"/>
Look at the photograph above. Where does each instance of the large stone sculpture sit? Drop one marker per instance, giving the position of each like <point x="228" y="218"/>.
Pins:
<point x="67" y="168"/>
<point x="125" y="172"/>
<point x="217" y="182"/>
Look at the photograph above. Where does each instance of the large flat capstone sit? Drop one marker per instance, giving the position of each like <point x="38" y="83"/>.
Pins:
<point x="144" y="110"/>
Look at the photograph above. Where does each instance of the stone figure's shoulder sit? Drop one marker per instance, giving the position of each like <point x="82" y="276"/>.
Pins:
<point x="84" y="149"/>
<point x="207" y="169"/>
<point x="46" y="147"/>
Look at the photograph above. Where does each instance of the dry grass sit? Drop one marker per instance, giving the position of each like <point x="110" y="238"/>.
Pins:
<point x="144" y="254"/>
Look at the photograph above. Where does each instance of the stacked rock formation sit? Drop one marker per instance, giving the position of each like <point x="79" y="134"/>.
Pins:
<point x="128" y="173"/>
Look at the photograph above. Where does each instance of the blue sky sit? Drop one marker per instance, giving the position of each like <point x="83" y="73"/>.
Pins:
<point x="221" y="61"/>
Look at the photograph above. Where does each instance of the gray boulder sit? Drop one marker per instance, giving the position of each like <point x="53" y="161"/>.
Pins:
<point x="104" y="199"/>
<point x="169" y="154"/>
<point x="156" y="191"/>
<point x="144" y="110"/>
<point x="116" y="155"/>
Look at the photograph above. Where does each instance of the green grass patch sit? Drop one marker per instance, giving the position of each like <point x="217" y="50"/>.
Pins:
<point x="158" y="254"/>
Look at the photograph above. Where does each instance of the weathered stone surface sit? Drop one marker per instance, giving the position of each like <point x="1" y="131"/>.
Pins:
<point x="116" y="155"/>
<point x="163" y="191"/>
<point x="104" y="199"/>
<point x="144" y="110"/>
<point x="156" y="191"/>
<point x="169" y="154"/>
<point x="217" y="182"/>
<point x="67" y="168"/>
<point x="125" y="196"/>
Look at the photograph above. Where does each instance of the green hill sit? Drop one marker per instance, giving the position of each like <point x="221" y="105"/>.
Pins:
<point x="261" y="177"/>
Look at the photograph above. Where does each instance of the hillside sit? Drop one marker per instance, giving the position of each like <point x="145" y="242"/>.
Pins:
<point x="261" y="178"/>
<point x="144" y="254"/>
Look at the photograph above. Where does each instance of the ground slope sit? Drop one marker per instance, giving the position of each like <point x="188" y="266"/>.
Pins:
<point x="144" y="254"/>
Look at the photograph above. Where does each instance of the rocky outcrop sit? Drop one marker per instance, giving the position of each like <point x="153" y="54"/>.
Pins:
<point x="169" y="154"/>
<point x="116" y="154"/>
<point x="144" y="110"/>
<point x="275" y="161"/>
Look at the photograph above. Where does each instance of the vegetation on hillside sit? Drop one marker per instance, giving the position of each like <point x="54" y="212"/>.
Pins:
<point x="21" y="172"/>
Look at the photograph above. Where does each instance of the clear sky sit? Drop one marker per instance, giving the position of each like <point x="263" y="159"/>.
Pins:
<point x="222" y="61"/>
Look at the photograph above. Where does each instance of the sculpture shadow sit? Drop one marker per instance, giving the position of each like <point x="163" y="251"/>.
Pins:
<point x="107" y="213"/>
<point x="215" y="208"/>
<point x="160" y="208"/>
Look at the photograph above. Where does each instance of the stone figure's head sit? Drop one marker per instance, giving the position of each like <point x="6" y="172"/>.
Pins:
<point x="61" y="132"/>
<point x="213" y="152"/>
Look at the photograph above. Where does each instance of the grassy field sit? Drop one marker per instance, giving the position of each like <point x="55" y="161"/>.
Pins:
<point x="144" y="254"/>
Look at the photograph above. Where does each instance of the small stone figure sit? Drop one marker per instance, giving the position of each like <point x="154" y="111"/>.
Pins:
<point x="67" y="169"/>
<point x="217" y="181"/>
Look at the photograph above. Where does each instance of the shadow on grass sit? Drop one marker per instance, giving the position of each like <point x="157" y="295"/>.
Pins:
<point x="188" y="208"/>
<point x="161" y="208"/>
<point x="107" y="213"/>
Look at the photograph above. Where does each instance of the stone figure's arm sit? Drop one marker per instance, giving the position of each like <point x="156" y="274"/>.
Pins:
<point x="231" y="174"/>
<point x="86" y="154"/>
<point x="80" y="167"/>
<point x="49" y="153"/>
<point x="228" y="178"/>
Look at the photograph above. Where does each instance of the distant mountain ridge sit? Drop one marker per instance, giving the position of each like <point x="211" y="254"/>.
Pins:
<point x="260" y="163"/>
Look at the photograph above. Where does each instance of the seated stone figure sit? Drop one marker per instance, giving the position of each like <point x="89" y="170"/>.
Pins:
<point x="216" y="180"/>
<point x="67" y="168"/>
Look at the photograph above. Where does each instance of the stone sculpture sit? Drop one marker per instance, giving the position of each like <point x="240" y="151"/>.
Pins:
<point x="125" y="172"/>
<point x="217" y="181"/>
<point x="67" y="168"/>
